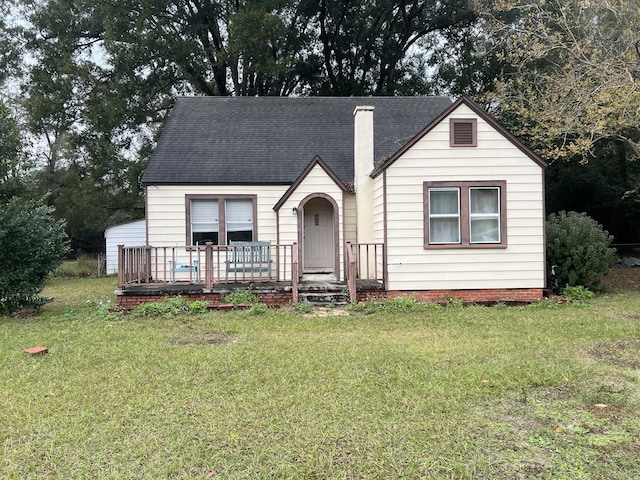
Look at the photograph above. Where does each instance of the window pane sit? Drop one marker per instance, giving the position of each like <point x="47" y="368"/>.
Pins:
<point x="484" y="200"/>
<point x="444" y="201"/>
<point x="204" y="221"/>
<point x="485" y="231"/>
<point x="201" y="238"/>
<point x="444" y="215"/>
<point x="484" y="215"/>
<point x="239" y="220"/>
<point x="444" y="230"/>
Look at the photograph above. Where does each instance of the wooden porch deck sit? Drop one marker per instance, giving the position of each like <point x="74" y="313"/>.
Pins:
<point x="146" y="273"/>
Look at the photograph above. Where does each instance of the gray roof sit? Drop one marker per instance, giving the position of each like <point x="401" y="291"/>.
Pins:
<point x="244" y="140"/>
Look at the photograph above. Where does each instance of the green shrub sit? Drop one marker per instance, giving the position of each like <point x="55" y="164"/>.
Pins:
<point x="579" y="248"/>
<point x="240" y="296"/>
<point x="32" y="243"/>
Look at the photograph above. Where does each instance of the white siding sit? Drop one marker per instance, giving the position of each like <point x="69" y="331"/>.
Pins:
<point x="133" y="234"/>
<point x="411" y="266"/>
<point x="166" y="210"/>
<point x="378" y="209"/>
<point x="350" y="218"/>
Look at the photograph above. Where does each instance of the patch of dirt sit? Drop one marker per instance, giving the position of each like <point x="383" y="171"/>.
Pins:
<point x="622" y="353"/>
<point x="203" y="338"/>
<point x="328" y="312"/>
<point x="622" y="278"/>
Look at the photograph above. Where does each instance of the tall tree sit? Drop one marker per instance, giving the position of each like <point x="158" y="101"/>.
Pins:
<point x="367" y="45"/>
<point x="9" y="39"/>
<point x="577" y="76"/>
<point x="104" y="74"/>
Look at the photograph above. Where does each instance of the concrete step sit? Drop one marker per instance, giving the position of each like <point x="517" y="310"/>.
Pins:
<point x="322" y="286"/>
<point x="323" y="298"/>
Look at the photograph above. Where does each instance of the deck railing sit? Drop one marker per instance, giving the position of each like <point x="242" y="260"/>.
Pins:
<point x="364" y="261"/>
<point x="207" y="264"/>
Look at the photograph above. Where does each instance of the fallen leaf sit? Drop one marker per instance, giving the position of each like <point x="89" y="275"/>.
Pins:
<point x="559" y="430"/>
<point x="601" y="406"/>
<point x="209" y="475"/>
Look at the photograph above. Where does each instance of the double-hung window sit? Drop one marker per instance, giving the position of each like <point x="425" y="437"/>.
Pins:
<point x="465" y="214"/>
<point x="444" y="215"/>
<point x="205" y="221"/>
<point x="220" y="219"/>
<point x="239" y="220"/>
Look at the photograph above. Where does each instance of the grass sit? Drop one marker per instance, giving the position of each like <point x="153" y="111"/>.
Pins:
<point x="477" y="392"/>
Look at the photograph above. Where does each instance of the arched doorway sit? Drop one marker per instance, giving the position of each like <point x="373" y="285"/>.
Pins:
<point x="319" y="231"/>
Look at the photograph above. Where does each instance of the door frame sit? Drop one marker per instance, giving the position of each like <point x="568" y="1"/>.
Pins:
<point x="336" y="229"/>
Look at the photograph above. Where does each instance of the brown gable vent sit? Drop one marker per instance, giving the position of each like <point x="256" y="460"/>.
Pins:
<point x="463" y="132"/>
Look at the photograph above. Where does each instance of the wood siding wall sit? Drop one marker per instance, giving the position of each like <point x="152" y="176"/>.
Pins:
<point x="166" y="211"/>
<point x="411" y="266"/>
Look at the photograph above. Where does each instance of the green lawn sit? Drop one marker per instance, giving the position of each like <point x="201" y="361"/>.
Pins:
<point x="476" y="392"/>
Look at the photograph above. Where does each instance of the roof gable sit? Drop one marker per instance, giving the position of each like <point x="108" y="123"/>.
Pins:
<point x="268" y="140"/>
<point x="316" y="161"/>
<point x="478" y="111"/>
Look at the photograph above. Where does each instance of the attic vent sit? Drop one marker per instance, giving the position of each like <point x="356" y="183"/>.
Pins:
<point x="463" y="132"/>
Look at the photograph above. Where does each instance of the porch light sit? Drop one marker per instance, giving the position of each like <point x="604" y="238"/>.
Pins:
<point x="295" y="210"/>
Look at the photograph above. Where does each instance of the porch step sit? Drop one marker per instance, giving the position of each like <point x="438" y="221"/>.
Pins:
<point x="323" y="293"/>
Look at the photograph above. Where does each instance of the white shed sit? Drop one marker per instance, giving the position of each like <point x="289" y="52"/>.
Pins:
<point x="130" y="234"/>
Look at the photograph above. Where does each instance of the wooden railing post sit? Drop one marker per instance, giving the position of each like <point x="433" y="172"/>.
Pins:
<point x="294" y="272"/>
<point x="351" y="274"/>
<point x="208" y="265"/>
<point x="121" y="271"/>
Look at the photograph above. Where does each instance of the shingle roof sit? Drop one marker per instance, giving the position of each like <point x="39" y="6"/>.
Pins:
<point x="264" y="140"/>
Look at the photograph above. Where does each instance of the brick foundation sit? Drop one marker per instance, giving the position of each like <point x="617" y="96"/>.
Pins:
<point x="282" y="295"/>
<point x="507" y="295"/>
<point x="128" y="299"/>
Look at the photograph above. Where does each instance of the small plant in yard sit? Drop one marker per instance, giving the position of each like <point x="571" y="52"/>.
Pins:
<point x="371" y="305"/>
<point x="545" y="303"/>
<point x="400" y="304"/>
<point x="257" y="309"/>
<point x="451" y="302"/>
<point x="578" y="293"/>
<point x="302" y="307"/>
<point x="169" y="306"/>
<point x="347" y="295"/>
<point x="240" y="296"/>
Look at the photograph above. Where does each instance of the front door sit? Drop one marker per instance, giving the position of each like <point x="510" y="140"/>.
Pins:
<point x="318" y="239"/>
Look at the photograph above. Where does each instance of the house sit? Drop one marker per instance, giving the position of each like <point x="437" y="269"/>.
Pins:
<point x="426" y="196"/>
